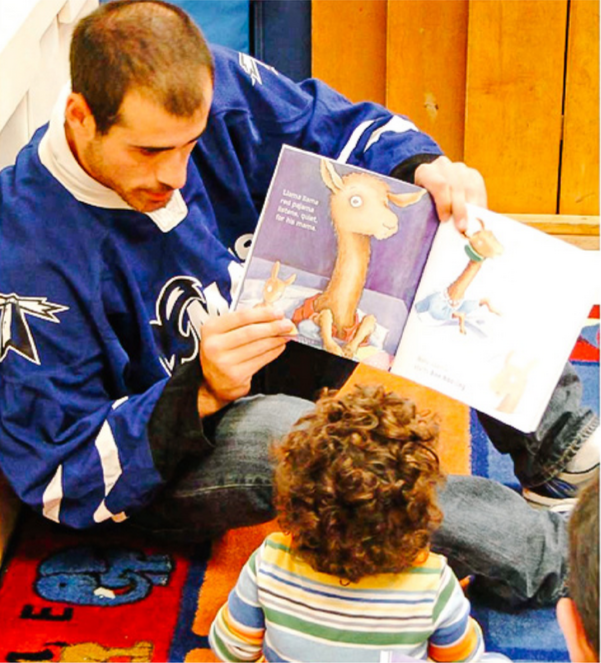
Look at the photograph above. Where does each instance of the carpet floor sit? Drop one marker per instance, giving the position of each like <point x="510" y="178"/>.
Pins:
<point x="67" y="596"/>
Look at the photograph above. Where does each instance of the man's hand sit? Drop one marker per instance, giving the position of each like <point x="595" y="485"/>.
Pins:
<point x="452" y="184"/>
<point x="234" y="347"/>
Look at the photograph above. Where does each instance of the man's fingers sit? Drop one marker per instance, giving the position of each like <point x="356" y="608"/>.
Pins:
<point x="236" y="345"/>
<point x="229" y="361"/>
<point x="240" y="337"/>
<point x="469" y="188"/>
<point x="230" y="377"/>
<point x="459" y="209"/>
<point x="452" y="185"/>
<point x="256" y="363"/>
<point x="442" y="194"/>
<point x="475" y="189"/>
<point x="242" y="318"/>
<point x="433" y="177"/>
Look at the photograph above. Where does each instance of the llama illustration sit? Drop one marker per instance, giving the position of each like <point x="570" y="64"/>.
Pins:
<point x="274" y="286"/>
<point x="450" y="304"/>
<point x="359" y="208"/>
<point x="510" y="383"/>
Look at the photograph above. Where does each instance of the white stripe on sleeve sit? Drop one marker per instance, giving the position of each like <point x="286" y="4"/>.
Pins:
<point x="53" y="496"/>
<point x="353" y="140"/>
<point x="109" y="457"/>
<point x="396" y="124"/>
<point x="111" y="471"/>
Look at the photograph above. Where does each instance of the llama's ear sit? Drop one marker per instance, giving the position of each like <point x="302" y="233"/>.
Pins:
<point x="290" y="280"/>
<point x="405" y="199"/>
<point x="475" y="232"/>
<point x="330" y="177"/>
<point x="275" y="269"/>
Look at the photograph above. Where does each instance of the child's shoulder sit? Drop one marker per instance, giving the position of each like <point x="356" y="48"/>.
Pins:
<point x="434" y="560"/>
<point x="429" y="561"/>
<point x="275" y="546"/>
<point x="278" y="540"/>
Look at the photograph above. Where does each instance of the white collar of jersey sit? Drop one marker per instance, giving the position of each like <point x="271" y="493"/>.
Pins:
<point x="56" y="155"/>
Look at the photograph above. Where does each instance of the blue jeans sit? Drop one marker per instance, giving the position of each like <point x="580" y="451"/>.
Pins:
<point x="516" y="552"/>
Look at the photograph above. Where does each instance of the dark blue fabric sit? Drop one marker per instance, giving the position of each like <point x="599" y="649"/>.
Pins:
<point x="281" y="35"/>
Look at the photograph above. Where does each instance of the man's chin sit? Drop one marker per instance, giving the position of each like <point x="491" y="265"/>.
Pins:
<point x="154" y="207"/>
<point x="148" y="203"/>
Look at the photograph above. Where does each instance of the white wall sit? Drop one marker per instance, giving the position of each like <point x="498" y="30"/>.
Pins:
<point x="34" y="64"/>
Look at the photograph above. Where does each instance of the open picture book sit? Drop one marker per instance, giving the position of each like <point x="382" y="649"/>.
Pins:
<point x="362" y="266"/>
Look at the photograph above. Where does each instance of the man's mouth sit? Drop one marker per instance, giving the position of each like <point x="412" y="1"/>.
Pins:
<point x="160" y="196"/>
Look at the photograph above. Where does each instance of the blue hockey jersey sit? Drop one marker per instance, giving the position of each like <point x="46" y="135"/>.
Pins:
<point x="101" y="305"/>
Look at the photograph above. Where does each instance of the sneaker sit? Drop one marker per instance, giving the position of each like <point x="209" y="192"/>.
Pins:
<point x="585" y="464"/>
<point x="560" y="493"/>
<point x="556" y="495"/>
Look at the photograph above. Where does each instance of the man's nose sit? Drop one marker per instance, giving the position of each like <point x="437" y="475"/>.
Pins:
<point x="172" y="169"/>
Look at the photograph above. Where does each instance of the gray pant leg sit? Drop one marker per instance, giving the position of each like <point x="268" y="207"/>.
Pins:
<point x="232" y="487"/>
<point x="517" y="553"/>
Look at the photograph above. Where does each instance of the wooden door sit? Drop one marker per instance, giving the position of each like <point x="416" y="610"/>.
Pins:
<point x="509" y="86"/>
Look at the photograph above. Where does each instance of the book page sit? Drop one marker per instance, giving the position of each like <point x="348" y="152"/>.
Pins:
<point x="341" y="251"/>
<point x="496" y="316"/>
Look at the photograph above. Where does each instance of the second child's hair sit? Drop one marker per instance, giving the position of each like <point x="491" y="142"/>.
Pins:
<point x="583" y="577"/>
<point x="149" y="45"/>
<point x="355" y="483"/>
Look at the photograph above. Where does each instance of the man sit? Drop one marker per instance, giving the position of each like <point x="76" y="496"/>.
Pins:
<point x="578" y="615"/>
<point x="122" y="230"/>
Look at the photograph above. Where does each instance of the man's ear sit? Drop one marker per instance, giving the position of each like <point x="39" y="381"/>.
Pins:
<point x="79" y="117"/>
<point x="573" y="632"/>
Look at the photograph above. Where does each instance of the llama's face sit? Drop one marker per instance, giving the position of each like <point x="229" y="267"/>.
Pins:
<point x="486" y="244"/>
<point x="362" y="207"/>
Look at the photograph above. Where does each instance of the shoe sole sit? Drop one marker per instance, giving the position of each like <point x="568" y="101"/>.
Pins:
<point x="552" y="503"/>
<point x="579" y="478"/>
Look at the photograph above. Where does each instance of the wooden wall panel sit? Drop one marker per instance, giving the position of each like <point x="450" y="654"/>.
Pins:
<point x="348" y="47"/>
<point x="579" y="184"/>
<point x="515" y="73"/>
<point x="426" y="68"/>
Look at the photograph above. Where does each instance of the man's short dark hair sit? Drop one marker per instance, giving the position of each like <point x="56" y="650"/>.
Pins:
<point x="583" y="582"/>
<point x="149" y="45"/>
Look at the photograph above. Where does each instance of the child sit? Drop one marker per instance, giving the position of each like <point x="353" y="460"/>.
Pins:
<point x="578" y="616"/>
<point x="352" y="578"/>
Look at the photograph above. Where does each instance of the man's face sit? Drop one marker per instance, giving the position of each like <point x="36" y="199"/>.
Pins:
<point x="144" y="157"/>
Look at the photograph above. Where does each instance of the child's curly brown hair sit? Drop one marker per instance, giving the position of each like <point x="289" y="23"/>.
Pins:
<point x="355" y="483"/>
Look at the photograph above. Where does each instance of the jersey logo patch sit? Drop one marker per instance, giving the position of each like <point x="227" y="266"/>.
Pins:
<point x="15" y="333"/>
<point x="175" y="331"/>
<point x="251" y="67"/>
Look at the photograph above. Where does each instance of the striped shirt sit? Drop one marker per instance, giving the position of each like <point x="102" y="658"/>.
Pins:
<point x="283" y="610"/>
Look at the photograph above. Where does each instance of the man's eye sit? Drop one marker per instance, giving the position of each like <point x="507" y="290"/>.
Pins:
<point x="356" y="201"/>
